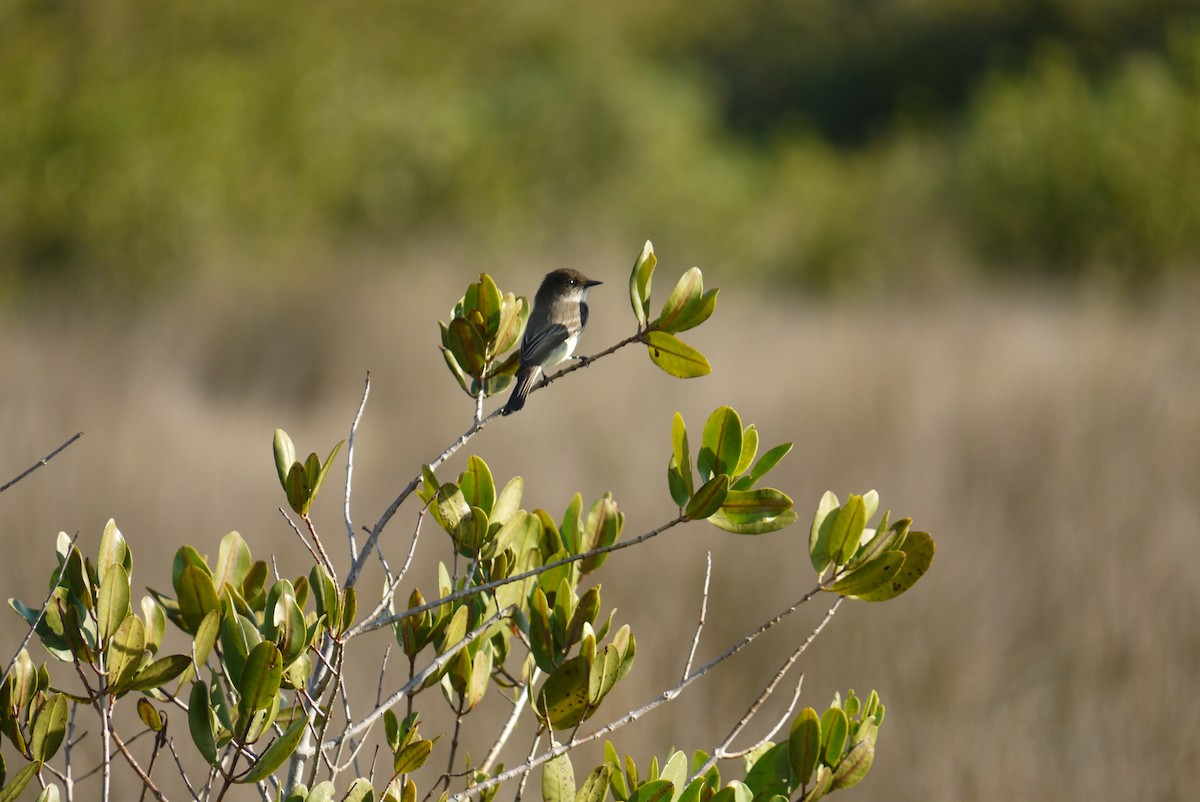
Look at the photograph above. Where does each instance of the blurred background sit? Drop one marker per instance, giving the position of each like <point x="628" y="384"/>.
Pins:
<point x="958" y="247"/>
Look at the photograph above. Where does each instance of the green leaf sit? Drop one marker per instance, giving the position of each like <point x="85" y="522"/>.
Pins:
<point x="871" y="576"/>
<point x="463" y="381"/>
<point x="124" y="653"/>
<point x="639" y="283"/>
<point x="149" y="716"/>
<point x="468" y="347"/>
<point x="200" y="722"/>
<point x="847" y="530"/>
<point x="654" y="791"/>
<point x="563" y="698"/>
<point x="918" y="551"/>
<point x="854" y="765"/>
<point x="113" y="552"/>
<point x="753" y="512"/>
<point x="490" y="302"/>
<point x="321" y="792"/>
<point x="513" y="314"/>
<point x="822" y="528"/>
<point x="233" y="561"/>
<point x="674" y="356"/>
<point x="595" y="787"/>
<point x="685" y="294"/>
<point x="601" y="529"/>
<point x="412" y="757"/>
<point x="206" y="637"/>
<point x="12" y="791"/>
<point x="765" y="463"/>
<point x="323" y="470"/>
<point x="360" y="790"/>
<point x="481" y="669"/>
<point x="676" y="485"/>
<point x="49" y="727"/>
<point x="676" y="770"/>
<point x="698" y="310"/>
<point x="156" y="623"/>
<point x="197" y="597"/>
<point x="113" y="602"/>
<point x="708" y="498"/>
<point x="682" y="455"/>
<point x="259" y="683"/>
<point x="477" y="485"/>
<point x="160" y="672"/>
<point x="558" y="780"/>
<point x="276" y="753"/>
<point x="835" y="728"/>
<point x="508" y="502"/>
<point x="285" y="455"/>
<point x="721" y="444"/>
<point x="804" y="744"/>
<point x="770" y="772"/>
<point x="749" y="450"/>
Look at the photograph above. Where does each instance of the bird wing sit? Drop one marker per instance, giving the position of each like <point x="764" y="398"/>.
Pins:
<point x="537" y="349"/>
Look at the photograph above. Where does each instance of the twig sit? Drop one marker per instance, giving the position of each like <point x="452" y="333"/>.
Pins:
<point x="787" y="714"/>
<point x="394" y="581"/>
<point x="299" y="534"/>
<point x="42" y="610"/>
<point x="720" y="751"/>
<point x="68" y="746"/>
<point x="537" y="739"/>
<point x="367" y="625"/>
<point x="511" y="724"/>
<point x="182" y="772"/>
<point x="419" y="678"/>
<point x="687" y="667"/>
<point x="137" y="769"/>
<point x="350" y="465"/>
<point x="328" y="563"/>
<point x="634" y="715"/>
<point x="40" y="462"/>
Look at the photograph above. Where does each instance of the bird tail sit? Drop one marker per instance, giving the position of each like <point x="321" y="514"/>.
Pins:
<point x="526" y="378"/>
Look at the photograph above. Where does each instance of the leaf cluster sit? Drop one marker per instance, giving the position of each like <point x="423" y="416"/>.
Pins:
<point x="484" y="325"/>
<point x="861" y="563"/>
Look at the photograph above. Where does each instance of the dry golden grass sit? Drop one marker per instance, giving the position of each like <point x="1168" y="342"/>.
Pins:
<point x="1051" y="446"/>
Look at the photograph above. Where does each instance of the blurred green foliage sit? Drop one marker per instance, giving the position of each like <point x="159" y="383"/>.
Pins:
<point x="830" y="143"/>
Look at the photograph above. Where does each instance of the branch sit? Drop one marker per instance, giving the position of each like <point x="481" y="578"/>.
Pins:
<point x="720" y="751"/>
<point x="419" y="679"/>
<point x="634" y="715"/>
<point x="350" y="475"/>
<point x="40" y="462"/>
<point x="703" y="612"/>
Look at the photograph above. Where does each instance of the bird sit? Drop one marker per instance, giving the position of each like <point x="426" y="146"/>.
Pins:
<point x="560" y="313"/>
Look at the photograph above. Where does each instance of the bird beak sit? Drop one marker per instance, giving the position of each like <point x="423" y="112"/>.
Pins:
<point x="592" y="282"/>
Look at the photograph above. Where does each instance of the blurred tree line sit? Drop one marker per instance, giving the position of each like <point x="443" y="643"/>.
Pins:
<point x="833" y="143"/>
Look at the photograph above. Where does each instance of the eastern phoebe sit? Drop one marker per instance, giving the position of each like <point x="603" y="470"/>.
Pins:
<point x="559" y="314"/>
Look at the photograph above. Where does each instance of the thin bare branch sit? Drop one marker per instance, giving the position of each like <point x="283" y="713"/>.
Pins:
<point x="720" y="752"/>
<point x="182" y="771"/>
<point x="687" y="667"/>
<point x="350" y="468"/>
<point x="419" y="678"/>
<point x="40" y="462"/>
<point x="509" y="726"/>
<point x="634" y="715"/>
<point x="299" y="534"/>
